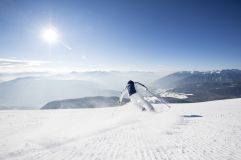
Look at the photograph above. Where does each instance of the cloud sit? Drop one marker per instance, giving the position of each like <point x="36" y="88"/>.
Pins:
<point x="11" y="68"/>
<point x="17" y="62"/>
<point x="20" y="65"/>
<point x="7" y="63"/>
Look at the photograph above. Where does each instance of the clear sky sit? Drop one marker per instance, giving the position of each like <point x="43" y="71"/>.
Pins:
<point x="121" y="34"/>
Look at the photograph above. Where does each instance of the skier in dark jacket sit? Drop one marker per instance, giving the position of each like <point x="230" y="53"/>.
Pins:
<point x="135" y="97"/>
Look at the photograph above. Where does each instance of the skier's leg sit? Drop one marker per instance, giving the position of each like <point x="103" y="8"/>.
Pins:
<point x="145" y="104"/>
<point x="148" y="105"/>
<point x="133" y="99"/>
<point x="136" y="100"/>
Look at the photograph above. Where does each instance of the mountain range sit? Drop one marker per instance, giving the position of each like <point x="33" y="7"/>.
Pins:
<point x="36" y="91"/>
<point x="202" y="86"/>
<point x="179" y="87"/>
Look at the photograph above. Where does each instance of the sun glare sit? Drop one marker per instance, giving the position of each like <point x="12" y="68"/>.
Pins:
<point x="50" y="35"/>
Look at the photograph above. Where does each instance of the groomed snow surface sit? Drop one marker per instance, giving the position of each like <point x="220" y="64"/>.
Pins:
<point x="209" y="130"/>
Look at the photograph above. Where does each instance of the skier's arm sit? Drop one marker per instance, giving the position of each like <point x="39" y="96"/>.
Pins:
<point x="142" y="85"/>
<point x="122" y="94"/>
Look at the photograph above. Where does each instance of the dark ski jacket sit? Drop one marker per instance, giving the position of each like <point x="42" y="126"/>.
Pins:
<point x="131" y="89"/>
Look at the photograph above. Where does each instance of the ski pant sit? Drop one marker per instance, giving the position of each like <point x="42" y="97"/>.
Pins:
<point x="139" y="101"/>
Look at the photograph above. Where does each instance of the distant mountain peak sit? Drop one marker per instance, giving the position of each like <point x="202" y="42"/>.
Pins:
<point x="208" y="85"/>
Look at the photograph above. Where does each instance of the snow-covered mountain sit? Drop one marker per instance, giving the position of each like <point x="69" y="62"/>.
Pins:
<point x="187" y="77"/>
<point x="202" y="86"/>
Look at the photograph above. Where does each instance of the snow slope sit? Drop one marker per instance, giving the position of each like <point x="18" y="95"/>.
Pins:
<point x="209" y="130"/>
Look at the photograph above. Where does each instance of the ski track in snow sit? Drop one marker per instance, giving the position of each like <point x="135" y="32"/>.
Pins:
<point x="205" y="131"/>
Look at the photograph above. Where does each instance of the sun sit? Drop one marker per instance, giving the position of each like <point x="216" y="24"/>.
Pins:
<point x="50" y="35"/>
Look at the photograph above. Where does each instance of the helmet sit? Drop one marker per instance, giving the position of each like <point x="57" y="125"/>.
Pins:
<point x="130" y="82"/>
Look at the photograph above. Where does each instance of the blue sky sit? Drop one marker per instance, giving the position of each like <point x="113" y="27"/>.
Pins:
<point x="121" y="35"/>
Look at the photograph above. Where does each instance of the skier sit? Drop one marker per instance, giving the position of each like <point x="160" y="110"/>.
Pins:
<point x="135" y="97"/>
